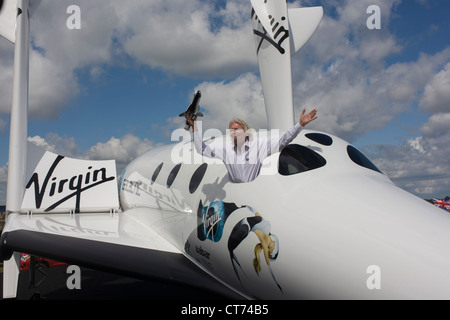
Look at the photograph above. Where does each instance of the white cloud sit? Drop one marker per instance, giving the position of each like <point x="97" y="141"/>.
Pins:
<point x="438" y="126"/>
<point x="72" y="49"/>
<point x="343" y="71"/>
<point x="6" y="75"/>
<point x="194" y="39"/>
<point x="415" y="166"/>
<point x="3" y="125"/>
<point x="3" y="174"/>
<point x="224" y="101"/>
<point x="416" y="144"/>
<point x="53" y="142"/>
<point x="123" y="150"/>
<point x="3" y="180"/>
<point x="420" y="165"/>
<point x="51" y="88"/>
<point x="183" y="40"/>
<point x="436" y="97"/>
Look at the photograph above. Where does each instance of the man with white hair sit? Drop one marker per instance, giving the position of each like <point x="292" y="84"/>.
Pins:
<point x="243" y="159"/>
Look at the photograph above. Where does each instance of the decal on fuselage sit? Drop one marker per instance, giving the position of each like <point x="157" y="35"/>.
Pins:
<point x="212" y="219"/>
<point x="268" y="243"/>
<point x="258" y="250"/>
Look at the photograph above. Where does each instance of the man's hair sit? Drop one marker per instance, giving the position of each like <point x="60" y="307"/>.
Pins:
<point x="244" y="124"/>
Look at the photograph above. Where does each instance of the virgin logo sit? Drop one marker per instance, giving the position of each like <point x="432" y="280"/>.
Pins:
<point x="56" y="190"/>
<point x="280" y="33"/>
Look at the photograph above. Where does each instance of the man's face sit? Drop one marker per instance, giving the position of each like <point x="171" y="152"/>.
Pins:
<point x="237" y="132"/>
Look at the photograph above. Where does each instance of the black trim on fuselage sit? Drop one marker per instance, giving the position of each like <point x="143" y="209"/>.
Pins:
<point x="124" y="260"/>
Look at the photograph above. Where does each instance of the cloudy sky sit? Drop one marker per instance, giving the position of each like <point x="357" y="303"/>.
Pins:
<point x="114" y="87"/>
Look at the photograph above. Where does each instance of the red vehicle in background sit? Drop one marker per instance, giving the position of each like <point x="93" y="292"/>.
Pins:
<point x="25" y="261"/>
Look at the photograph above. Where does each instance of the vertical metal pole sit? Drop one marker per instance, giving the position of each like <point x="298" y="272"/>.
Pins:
<point x="17" y="139"/>
<point x="19" y="111"/>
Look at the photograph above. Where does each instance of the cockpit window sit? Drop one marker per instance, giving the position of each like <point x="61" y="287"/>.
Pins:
<point x="360" y="159"/>
<point x="156" y="173"/>
<point x="320" y="138"/>
<point x="173" y="174"/>
<point x="297" y="159"/>
<point x="197" y="177"/>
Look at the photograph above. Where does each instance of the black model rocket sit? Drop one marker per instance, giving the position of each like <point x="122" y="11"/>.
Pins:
<point x="193" y="109"/>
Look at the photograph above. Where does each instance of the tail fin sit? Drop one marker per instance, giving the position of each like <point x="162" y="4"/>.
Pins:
<point x="74" y="176"/>
<point x="61" y="184"/>
<point x="279" y="34"/>
<point x="303" y="23"/>
<point x="8" y="13"/>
